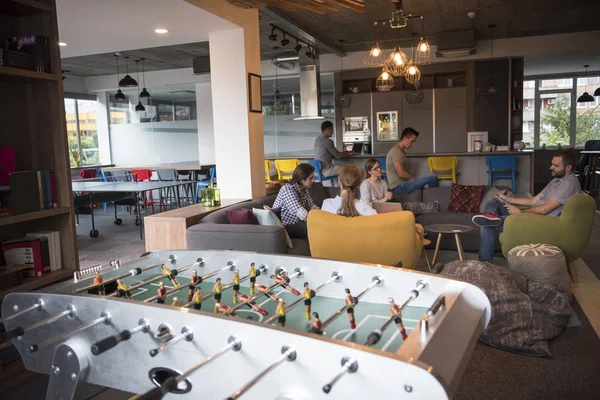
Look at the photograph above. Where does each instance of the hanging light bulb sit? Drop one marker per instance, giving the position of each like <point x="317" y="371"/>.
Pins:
<point x="396" y="62"/>
<point x="423" y="48"/>
<point x="140" y="106"/>
<point x="119" y="95"/>
<point x="412" y="73"/>
<point x="385" y="81"/>
<point x="376" y="57"/>
<point x="144" y="94"/>
<point x="127" y="81"/>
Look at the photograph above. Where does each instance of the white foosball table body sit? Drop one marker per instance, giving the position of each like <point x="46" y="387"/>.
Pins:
<point x="428" y="365"/>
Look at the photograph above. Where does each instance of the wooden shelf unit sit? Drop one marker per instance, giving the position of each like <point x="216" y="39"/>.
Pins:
<point x="32" y="121"/>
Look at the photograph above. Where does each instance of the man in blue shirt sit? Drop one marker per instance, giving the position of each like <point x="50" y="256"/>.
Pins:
<point x="549" y="202"/>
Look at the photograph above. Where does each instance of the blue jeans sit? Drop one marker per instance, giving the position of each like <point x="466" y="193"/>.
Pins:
<point x="412" y="185"/>
<point x="488" y="233"/>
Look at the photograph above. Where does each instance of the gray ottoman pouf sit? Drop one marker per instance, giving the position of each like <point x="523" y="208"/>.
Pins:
<point x="541" y="263"/>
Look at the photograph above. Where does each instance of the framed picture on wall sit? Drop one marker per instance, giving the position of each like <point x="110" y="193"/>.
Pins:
<point x="254" y="93"/>
<point x="476" y="141"/>
<point x="387" y="126"/>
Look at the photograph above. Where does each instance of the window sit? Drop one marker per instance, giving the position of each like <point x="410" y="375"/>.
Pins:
<point x="549" y="84"/>
<point x="582" y="82"/>
<point x="82" y="132"/>
<point x="563" y="83"/>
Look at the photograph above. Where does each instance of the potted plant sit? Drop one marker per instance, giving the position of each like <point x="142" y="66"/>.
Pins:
<point x="487" y="147"/>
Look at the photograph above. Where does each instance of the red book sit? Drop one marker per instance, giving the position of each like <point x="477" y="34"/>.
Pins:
<point x="25" y="252"/>
<point x="7" y="164"/>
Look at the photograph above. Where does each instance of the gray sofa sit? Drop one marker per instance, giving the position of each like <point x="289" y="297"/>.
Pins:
<point x="213" y="231"/>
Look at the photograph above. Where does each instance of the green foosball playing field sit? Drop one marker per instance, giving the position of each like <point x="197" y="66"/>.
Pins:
<point x="368" y="316"/>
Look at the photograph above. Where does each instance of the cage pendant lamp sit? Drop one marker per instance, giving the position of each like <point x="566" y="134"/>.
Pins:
<point x="119" y="95"/>
<point x="586" y="97"/>
<point x="144" y="94"/>
<point x="423" y="48"/>
<point x="376" y="57"/>
<point x="385" y="81"/>
<point x="127" y="80"/>
<point x="412" y="72"/>
<point x="396" y="62"/>
<point x="140" y="106"/>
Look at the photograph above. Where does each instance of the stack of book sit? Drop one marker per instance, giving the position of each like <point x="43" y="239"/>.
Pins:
<point x="29" y="52"/>
<point x="36" y="253"/>
<point x="32" y="191"/>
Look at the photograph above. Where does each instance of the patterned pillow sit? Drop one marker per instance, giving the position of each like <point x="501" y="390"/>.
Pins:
<point x="465" y="198"/>
<point x="268" y="217"/>
<point x="241" y="217"/>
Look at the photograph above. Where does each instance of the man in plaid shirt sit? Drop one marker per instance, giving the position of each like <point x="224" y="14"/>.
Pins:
<point x="295" y="202"/>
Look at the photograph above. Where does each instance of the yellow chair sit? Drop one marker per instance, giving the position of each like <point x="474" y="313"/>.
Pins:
<point x="285" y="168"/>
<point x="268" y="170"/>
<point x="385" y="239"/>
<point x="446" y="165"/>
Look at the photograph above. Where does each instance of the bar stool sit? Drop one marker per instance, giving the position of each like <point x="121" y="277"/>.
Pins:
<point x="268" y="170"/>
<point x="147" y="199"/>
<point x="285" y="168"/>
<point x="319" y="173"/>
<point x="502" y="167"/>
<point x="205" y="183"/>
<point x="443" y="167"/>
<point x="168" y="175"/>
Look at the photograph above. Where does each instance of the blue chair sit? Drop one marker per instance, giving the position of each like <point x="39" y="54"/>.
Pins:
<point x="381" y="161"/>
<point x="319" y="173"/>
<point x="204" y="183"/>
<point x="502" y="167"/>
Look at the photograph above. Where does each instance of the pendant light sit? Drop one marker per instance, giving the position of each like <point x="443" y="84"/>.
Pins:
<point x="385" y="81"/>
<point x="586" y="97"/>
<point x="140" y="106"/>
<point x="119" y="95"/>
<point x="597" y="92"/>
<point x="396" y="62"/>
<point x="413" y="73"/>
<point x="423" y="48"/>
<point x="144" y="94"/>
<point x="276" y="103"/>
<point x="345" y="100"/>
<point x="127" y="81"/>
<point x="376" y="57"/>
<point x="492" y="90"/>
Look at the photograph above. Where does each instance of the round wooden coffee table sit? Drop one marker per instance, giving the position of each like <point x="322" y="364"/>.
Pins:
<point x="453" y="229"/>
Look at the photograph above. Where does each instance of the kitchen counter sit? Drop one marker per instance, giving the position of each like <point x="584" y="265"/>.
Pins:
<point x="409" y="154"/>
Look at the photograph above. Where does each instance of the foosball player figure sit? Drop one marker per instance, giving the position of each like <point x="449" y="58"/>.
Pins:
<point x="284" y="281"/>
<point x="395" y="310"/>
<point x="195" y="280"/>
<point x="217" y="290"/>
<point x="244" y="298"/>
<point x="317" y="325"/>
<point x="171" y="275"/>
<point x="350" y="302"/>
<point x="162" y="293"/>
<point x="265" y="290"/>
<point x="99" y="282"/>
<point x="123" y="290"/>
<point x="308" y="295"/>
<point x="175" y="302"/>
<point x="197" y="299"/>
<point x="236" y="285"/>
<point x="252" y="274"/>
<point x="280" y="312"/>
<point x="223" y="309"/>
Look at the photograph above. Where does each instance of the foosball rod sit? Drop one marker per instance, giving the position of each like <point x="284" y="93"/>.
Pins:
<point x="181" y="287"/>
<point x="336" y="276"/>
<point x="375" y="335"/>
<point x="297" y="272"/>
<point x="104" y="318"/>
<point x="70" y="311"/>
<point x="349" y="365"/>
<point x="39" y="305"/>
<point x="186" y="333"/>
<point x="111" y="341"/>
<point x="171" y="383"/>
<point x="133" y="272"/>
<point x="376" y="281"/>
<point x="89" y="273"/>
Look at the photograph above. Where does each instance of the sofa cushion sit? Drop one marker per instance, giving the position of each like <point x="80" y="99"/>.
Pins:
<point x="465" y="198"/>
<point x="441" y="194"/>
<point x="268" y="218"/>
<point x="218" y="217"/>
<point x="241" y="217"/>
<point x="402" y="198"/>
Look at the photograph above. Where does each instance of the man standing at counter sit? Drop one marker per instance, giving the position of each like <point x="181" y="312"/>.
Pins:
<point x="400" y="181"/>
<point x="325" y="151"/>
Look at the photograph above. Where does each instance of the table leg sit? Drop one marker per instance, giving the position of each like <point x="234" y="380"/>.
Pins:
<point x="437" y="248"/>
<point x="138" y="216"/>
<point x="459" y="248"/>
<point x="177" y="197"/>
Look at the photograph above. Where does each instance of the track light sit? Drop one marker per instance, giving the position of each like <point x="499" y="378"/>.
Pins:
<point x="298" y="46"/>
<point x="285" y="41"/>
<point x="273" y="35"/>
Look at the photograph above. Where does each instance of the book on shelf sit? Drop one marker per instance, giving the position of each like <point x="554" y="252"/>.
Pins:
<point x="28" y="52"/>
<point x="53" y="238"/>
<point x="32" y="191"/>
<point x="32" y="253"/>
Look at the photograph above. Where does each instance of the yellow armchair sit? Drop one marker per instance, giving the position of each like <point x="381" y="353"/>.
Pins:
<point x="378" y="239"/>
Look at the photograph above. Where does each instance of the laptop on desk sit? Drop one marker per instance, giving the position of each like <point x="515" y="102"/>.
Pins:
<point x="386" y="207"/>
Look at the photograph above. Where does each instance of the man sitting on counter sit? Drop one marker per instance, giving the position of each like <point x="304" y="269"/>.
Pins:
<point x="325" y="151"/>
<point x="400" y="181"/>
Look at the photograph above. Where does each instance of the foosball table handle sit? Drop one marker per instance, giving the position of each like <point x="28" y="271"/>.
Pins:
<point x="158" y="393"/>
<point x="109" y="342"/>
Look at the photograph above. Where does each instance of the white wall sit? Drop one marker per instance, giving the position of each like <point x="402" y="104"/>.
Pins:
<point x="206" y="132"/>
<point x="74" y="84"/>
<point x="154" y="143"/>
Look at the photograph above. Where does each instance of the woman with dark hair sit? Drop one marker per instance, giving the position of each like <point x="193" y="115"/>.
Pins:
<point x="295" y="202"/>
<point x="346" y="204"/>
<point x="373" y="187"/>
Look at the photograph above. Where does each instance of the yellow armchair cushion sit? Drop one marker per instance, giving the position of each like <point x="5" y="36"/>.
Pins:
<point x="378" y="239"/>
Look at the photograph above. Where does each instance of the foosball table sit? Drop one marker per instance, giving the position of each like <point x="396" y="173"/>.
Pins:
<point x="228" y="324"/>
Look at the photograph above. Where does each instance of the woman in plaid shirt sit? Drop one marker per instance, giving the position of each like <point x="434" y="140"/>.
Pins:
<point x="295" y="202"/>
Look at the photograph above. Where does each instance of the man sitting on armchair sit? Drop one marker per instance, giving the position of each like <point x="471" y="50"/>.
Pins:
<point x="549" y="202"/>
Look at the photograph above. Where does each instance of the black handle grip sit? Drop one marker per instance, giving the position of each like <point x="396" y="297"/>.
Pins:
<point x="109" y="342"/>
<point x="6" y="336"/>
<point x="327" y="388"/>
<point x="158" y="393"/>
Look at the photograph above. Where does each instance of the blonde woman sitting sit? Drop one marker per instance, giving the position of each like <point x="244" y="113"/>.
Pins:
<point x="373" y="188"/>
<point x="346" y="204"/>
